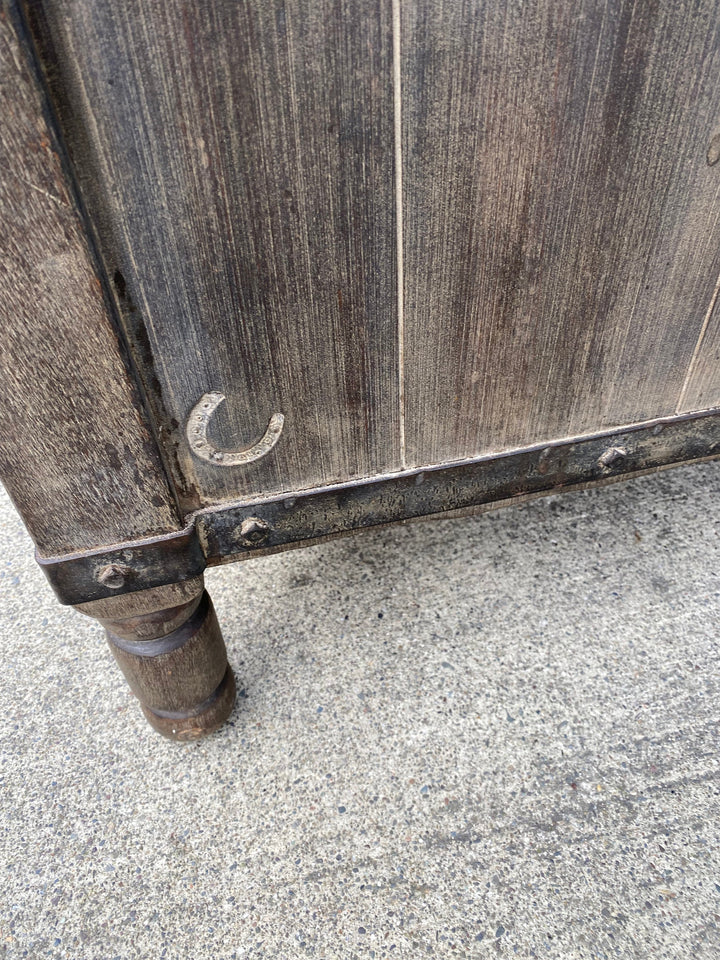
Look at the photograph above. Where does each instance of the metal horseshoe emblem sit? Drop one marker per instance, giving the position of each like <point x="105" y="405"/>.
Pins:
<point x="197" y="427"/>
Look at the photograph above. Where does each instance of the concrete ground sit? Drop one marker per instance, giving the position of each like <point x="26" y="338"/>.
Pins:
<point x="466" y="738"/>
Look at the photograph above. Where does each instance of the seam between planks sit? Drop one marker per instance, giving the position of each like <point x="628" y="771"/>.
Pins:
<point x="698" y="346"/>
<point x="397" y="111"/>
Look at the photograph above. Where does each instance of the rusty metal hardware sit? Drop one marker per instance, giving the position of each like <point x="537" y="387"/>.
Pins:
<point x="152" y="562"/>
<point x="612" y="456"/>
<point x="254" y="532"/>
<point x="239" y="530"/>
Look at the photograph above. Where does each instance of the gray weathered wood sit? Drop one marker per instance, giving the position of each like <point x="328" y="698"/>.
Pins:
<point x="561" y="222"/>
<point x="238" y="161"/>
<point x="75" y="453"/>
<point x="702" y="388"/>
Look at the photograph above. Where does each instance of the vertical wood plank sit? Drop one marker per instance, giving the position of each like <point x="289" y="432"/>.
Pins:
<point x="75" y="452"/>
<point x="702" y="386"/>
<point x="562" y="225"/>
<point x="238" y="161"/>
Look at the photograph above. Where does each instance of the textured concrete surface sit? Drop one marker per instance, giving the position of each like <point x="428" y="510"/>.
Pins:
<point x="466" y="738"/>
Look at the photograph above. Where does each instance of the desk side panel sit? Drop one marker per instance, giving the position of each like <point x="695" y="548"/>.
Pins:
<point x="562" y="218"/>
<point x="75" y="453"/>
<point x="237" y="161"/>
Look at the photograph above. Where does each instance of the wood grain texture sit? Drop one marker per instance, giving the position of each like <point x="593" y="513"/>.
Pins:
<point x="75" y="453"/>
<point x="174" y="659"/>
<point x="702" y="387"/>
<point x="238" y="161"/>
<point x="143" y="602"/>
<point x="562" y="224"/>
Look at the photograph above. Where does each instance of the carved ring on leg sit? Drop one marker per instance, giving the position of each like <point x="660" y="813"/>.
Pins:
<point x="173" y="656"/>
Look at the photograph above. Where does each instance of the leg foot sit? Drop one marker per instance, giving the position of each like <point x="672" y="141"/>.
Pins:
<point x="168" y="644"/>
<point x="207" y="717"/>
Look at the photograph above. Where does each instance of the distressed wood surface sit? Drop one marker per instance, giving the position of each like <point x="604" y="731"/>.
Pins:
<point x="560" y="217"/>
<point x="238" y="161"/>
<point x="561" y="221"/>
<point x="75" y="453"/>
<point x="702" y="387"/>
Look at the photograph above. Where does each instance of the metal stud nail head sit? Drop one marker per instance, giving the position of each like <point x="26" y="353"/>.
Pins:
<point x="113" y="575"/>
<point x="254" y="531"/>
<point x="612" y="456"/>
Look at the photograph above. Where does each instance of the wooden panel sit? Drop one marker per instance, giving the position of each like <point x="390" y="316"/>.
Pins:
<point x="75" y="454"/>
<point x="702" y="390"/>
<point x="562" y="235"/>
<point x="238" y="160"/>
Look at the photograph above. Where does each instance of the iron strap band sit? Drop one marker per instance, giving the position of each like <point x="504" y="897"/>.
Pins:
<point x="237" y="530"/>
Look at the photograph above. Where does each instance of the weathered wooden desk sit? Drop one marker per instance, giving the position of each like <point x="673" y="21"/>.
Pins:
<point x="274" y="271"/>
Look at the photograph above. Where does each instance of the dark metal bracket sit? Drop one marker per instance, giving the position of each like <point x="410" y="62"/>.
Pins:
<point x="235" y="531"/>
<point x="125" y="567"/>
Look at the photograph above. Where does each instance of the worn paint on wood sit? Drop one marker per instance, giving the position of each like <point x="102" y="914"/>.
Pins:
<point x="75" y="453"/>
<point x="561" y="221"/>
<point x="238" y="161"/>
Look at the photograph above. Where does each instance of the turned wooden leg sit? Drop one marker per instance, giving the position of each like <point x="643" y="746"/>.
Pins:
<point x="167" y="642"/>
